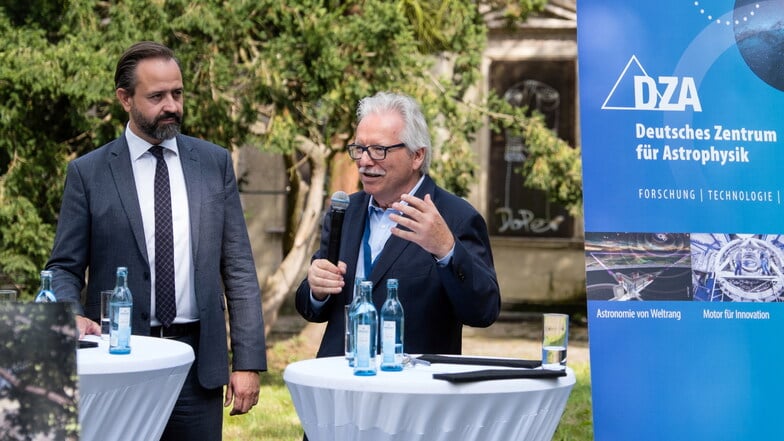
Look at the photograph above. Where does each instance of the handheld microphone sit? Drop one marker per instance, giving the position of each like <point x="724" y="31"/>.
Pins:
<point x="339" y="204"/>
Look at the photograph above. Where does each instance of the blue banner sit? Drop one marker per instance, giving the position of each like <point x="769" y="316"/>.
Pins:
<point x="680" y="127"/>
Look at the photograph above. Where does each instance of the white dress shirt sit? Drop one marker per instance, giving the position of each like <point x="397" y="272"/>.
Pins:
<point x="144" y="163"/>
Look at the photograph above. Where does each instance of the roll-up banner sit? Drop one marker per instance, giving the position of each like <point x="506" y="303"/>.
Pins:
<point x="682" y="125"/>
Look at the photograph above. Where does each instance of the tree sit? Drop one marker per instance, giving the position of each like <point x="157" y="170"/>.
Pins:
<point x="284" y="77"/>
<point x="553" y="166"/>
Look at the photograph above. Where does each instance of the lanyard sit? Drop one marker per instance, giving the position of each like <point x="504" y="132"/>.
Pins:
<point x="366" y="251"/>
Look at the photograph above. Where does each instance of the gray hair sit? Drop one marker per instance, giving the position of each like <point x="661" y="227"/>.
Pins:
<point x="415" y="134"/>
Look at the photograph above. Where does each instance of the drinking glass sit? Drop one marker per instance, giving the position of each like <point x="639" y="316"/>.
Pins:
<point x="555" y="338"/>
<point x="106" y="297"/>
<point x="349" y="347"/>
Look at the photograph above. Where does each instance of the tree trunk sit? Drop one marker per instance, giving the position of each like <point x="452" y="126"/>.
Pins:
<point x="286" y="278"/>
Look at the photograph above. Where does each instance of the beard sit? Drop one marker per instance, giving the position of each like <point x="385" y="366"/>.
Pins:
<point x="154" y="129"/>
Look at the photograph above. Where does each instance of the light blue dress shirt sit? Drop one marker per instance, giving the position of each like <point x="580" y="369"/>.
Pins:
<point x="380" y="231"/>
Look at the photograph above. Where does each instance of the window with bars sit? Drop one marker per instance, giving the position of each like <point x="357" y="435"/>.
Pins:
<point x="548" y="86"/>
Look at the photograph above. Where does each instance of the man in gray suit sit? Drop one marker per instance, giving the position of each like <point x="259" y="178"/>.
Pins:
<point x="108" y="219"/>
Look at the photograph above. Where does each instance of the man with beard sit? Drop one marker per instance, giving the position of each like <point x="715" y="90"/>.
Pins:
<point x="167" y="207"/>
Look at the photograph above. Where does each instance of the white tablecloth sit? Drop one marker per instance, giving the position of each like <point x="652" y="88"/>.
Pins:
<point x="334" y="404"/>
<point x="130" y="397"/>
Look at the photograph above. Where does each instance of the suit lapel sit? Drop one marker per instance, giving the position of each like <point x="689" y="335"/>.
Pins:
<point x="391" y="252"/>
<point x="122" y="173"/>
<point x="191" y="170"/>
<point x="395" y="247"/>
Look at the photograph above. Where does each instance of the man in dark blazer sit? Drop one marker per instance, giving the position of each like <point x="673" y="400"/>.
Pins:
<point x="435" y="243"/>
<point x="107" y="220"/>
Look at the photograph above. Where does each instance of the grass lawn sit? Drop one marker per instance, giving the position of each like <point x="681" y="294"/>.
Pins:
<point x="274" y="418"/>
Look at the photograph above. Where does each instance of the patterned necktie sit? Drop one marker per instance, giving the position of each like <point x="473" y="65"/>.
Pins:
<point x="165" y="305"/>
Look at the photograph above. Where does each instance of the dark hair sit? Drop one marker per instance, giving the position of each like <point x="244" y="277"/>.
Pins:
<point x="125" y="73"/>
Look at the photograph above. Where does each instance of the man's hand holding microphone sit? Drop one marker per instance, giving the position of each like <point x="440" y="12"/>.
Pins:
<point x="325" y="276"/>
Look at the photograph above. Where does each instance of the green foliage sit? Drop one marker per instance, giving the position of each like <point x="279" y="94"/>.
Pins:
<point x="552" y="165"/>
<point x="263" y="72"/>
<point x="26" y="243"/>
<point x="577" y="420"/>
<point x="321" y="61"/>
<point x="48" y="86"/>
<point x="515" y="10"/>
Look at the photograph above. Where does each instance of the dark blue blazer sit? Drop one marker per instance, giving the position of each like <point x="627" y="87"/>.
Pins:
<point x="437" y="301"/>
<point x="100" y="228"/>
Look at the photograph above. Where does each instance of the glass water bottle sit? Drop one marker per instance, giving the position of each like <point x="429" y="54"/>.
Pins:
<point x="349" y="317"/>
<point x="392" y="330"/>
<point x="45" y="293"/>
<point x="120" y="305"/>
<point x="365" y="331"/>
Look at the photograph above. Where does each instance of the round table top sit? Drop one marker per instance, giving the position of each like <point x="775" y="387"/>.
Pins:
<point x="335" y="373"/>
<point x="147" y="354"/>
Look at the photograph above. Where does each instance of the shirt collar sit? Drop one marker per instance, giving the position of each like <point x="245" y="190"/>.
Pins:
<point x="372" y="203"/>
<point x="138" y="146"/>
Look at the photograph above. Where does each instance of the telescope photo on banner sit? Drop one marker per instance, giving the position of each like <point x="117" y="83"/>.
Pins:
<point x="681" y="105"/>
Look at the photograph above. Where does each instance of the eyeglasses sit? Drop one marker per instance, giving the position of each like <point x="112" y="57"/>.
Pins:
<point x="376" y="152"/>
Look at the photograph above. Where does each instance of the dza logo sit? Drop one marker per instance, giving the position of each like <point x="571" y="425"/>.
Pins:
<point x="636" y="90"/>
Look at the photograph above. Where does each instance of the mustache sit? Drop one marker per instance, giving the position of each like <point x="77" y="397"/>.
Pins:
<point x="370" y="171"/>
<point x="177" y="117"/>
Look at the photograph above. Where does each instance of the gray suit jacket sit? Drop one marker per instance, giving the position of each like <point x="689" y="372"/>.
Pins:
<point x="100" y="228"/>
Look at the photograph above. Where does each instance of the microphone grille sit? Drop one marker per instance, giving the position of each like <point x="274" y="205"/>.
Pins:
<point x="340" y="200"/>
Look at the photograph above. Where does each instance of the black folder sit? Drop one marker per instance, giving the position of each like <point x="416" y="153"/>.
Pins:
<point x="498" y="374"/>
<point x="481" y="361"/>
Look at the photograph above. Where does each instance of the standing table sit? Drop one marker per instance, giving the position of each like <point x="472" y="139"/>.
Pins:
<point x="130" y="397"/>
<point x="334" y="404"/>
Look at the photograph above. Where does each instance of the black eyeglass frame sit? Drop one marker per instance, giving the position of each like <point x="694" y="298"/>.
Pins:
<point x="374" y="151"/>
